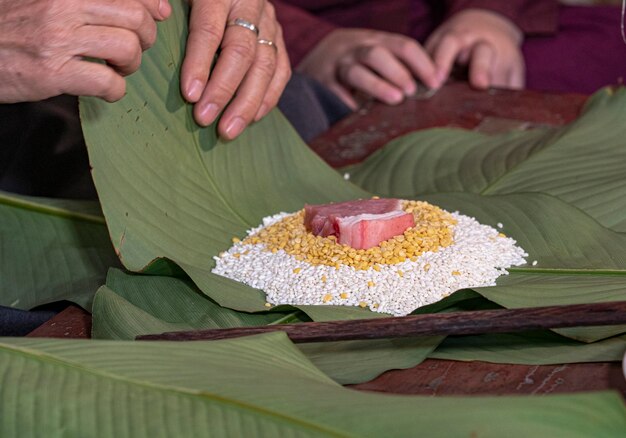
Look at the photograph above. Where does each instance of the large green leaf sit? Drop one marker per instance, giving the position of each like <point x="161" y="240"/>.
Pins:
<point x="258" y="386"/>
<point x="582" y="163"/>
<point x="51" y="250"/>
<point x="181" y="194"/>
<point x="143" y="305"/>
<point x="445" y="160"/>
<point x="170" y="189"/>
<point x="520" y="289"/>
<point x="587" y="268"/>
<point x="132" y="305"/>
<point x="585" y="166"/>
<point x="561" y="238"/>
<point x="535" y="348"/>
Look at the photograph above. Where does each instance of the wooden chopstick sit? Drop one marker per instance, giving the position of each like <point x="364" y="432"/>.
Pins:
<point x="436" y="324"/>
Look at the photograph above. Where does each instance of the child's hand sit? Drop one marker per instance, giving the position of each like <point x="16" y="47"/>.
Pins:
<point x="380" y="64"/>
<point x="487" y="42"/>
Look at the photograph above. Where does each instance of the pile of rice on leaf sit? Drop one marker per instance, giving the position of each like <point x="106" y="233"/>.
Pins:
<point x="441" y="253"/>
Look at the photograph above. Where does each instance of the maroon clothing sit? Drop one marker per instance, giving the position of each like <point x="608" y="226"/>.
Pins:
<point x="566" y="48"/>
<point x="586" y="54"/>
<point x="305" y="22"/>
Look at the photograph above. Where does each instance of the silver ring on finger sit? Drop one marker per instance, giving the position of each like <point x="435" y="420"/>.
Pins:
<point x="268" y="43"/>
<point x="245" y="24"/>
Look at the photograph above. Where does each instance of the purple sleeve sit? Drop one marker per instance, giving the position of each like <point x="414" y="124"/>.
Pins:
<point x="533" y="17"/>
<point x="301" y="30"/>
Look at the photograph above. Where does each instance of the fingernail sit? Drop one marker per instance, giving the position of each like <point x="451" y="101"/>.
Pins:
<point x="209" y="113"/>
<point x="262" y="112"/>
<point x="440" y="78"/>
<point x="194" y="91"/>
<point x="410" y="89"/>
<point x="235" y="127"/>
<point x="395" y="97"/>
<point x="164" y="8"/>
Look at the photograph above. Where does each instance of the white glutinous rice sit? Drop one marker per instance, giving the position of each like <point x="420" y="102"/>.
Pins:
<point x="478" y="255"/>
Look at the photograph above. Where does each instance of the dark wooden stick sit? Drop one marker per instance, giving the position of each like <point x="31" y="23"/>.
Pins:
<point x="437" y="324"/>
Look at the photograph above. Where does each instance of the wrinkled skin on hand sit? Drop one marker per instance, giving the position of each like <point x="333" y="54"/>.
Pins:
<point x="487" y="42"/>
<point x="380" y="64"/>
<point x="43" y="44"/>
<point x="248" y="78"/>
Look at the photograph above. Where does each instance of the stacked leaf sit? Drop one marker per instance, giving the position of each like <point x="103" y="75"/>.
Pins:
<point x="51" y="250"/>
<point x="174" y="195"/>
<point x="257" y="386"/>
<point x="173" y="191"/>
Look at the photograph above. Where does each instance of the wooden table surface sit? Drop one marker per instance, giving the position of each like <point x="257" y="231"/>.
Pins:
<point x="363" y="132"/>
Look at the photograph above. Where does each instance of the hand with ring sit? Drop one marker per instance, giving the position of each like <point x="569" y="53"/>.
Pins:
<point x="252" y="68"/>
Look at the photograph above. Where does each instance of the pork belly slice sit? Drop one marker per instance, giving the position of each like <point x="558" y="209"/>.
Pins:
<point x="365" y="231"/>
<point x="321" y="219"/>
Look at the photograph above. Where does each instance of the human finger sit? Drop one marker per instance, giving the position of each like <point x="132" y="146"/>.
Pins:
<point x="411" y="53"/>
<point x="238" y="50"/>
<point x="159" y="9"/>
<point x="207" y="23"/>
<point x="118" y="47"/>
<point x="132" y="15"/>
<point x="242" y="109"/>
<point x="517" y="76"/>
<point x="129" y="10"/>
<point x="280" y="79"/>
<point x="85" y="78"/>
<point x="481" y="65"/>
<point x="499" y="75"/>
<point x="383" y="62"/>
<point x="245" y="105"/>
<point x="343" y="93"/>
<point x="360" y="77"/>
<point x="444" y="54"/>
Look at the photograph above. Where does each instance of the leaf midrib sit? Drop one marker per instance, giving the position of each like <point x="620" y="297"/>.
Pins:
<point x="551" y="142"/>
<point x="562" y="271"/>
<point x="46" y="358"/>
<point x="50" y="210"/>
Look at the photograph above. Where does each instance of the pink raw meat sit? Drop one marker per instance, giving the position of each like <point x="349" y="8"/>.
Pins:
<point x="367" y="230"/>
<point x="360" y="224"/>
<point x="320" y="219"/>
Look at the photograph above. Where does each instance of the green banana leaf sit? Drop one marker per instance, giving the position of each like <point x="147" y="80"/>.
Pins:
<point x="256" y="386"/>
<point x="171" y="190"/>
<point x="132" y="305"/>
<point x="578" y="260"/>
<point x="582" y="163"/>
<point x="174" y="195"/>
<point x="180" y="194"/>
<point x="533" y="348"/>
<point x="51" y="250"/>
<point x="141" y="305"/>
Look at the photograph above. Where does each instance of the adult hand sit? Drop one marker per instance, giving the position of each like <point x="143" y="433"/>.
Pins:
<point x="43" y="45"/>
<point x="380" y="64"/>
<point x="248" y="74"/>
<point x="487" y="42"/>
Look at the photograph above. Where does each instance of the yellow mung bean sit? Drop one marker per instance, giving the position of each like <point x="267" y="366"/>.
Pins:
<point x="433" y="230"/>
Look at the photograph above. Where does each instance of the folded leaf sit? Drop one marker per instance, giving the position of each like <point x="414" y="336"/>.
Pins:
<point x="170" y="189"/>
